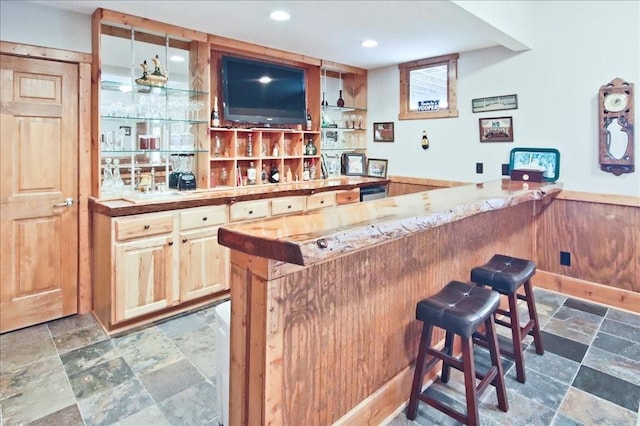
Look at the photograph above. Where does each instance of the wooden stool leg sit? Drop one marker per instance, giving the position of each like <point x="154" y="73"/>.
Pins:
<point x="498" y="382"/>
<point x="473" y="415"/>
<point x="533" y="315"/>
<point x="448" y="349"/>
<point x="516" y="335"/>
<point x="416" y="387"/>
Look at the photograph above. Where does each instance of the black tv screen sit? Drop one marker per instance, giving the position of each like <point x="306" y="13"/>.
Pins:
<point x="262" y="93"/>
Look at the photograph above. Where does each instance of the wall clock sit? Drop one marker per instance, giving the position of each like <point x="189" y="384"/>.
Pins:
<point x="615" y="124"/>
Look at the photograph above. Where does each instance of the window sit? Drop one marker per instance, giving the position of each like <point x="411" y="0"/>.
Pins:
<point x="428" y="88"/>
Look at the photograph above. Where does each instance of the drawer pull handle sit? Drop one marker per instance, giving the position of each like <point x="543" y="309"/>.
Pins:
<point x="250" y="211"/>
<point x="170" y="243"/>
<point x="184" y="240"/>
<point x="322" y="202"/>
<point x="204" y="218"/>
<point x="147" y="226"/>
<point x="289" y="206"/>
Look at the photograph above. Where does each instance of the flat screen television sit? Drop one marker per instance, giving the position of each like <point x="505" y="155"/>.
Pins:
<point x="262" y="93"/>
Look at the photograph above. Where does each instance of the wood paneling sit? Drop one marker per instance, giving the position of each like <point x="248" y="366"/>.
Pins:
<point x="603" y="241"/>
<point x="338" y="331"/>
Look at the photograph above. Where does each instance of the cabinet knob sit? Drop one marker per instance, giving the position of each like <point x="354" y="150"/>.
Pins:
<point x="204" y="219"/>
<point x="289" y="206"/>
<point x="250" y="211"/>
<point x="147" y="226"/>
<point x="322" y="202"/>
<point x="170" y="243"/>
<point x="184" y="240"/>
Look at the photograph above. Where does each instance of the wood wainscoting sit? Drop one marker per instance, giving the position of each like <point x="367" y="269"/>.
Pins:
<point x="602" y="235"/>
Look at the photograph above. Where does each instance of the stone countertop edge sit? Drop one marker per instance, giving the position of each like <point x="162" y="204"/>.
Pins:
<point x="313" y="237"/>
<point x="117" y="207"/>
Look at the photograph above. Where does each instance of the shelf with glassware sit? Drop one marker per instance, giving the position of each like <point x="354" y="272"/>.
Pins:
<point x="240" y="157"/>
<point x="146" y="133"/>
<point x="343" y="130"/>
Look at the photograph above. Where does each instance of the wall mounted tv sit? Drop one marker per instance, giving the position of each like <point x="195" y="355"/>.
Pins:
<point x="262" y="93"/>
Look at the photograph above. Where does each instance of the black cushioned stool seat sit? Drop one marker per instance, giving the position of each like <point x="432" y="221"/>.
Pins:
<point x="506" y="274"/>
<point x="459" y="308"/>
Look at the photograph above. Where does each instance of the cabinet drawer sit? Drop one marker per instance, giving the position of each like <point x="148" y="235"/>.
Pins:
<point x="323" y="199"/>
<point x="202" y="217"/>
<point x="246" y="210"/>
<point x="348" y="196"/>
<point x="286" y="205"/>
<point x="143" y="226"/>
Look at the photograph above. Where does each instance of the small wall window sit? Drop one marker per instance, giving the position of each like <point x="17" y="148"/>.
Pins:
<point x="429" y="88"/>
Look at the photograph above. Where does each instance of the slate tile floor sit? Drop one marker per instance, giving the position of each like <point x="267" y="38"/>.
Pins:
<point x="68" y="372"/>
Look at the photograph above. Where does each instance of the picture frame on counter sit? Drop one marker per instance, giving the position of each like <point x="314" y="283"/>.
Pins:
<point x="377" y="168"/>
<point x="383" y="132"/>
<point x="496" y="129"/>
<point x="546" y="160"/>
<point x="353" y="164"/>
<point x="494" y="103"/>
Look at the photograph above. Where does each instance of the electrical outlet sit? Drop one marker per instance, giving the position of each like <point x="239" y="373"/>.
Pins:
<point x="479" y="168"/>
<point x="505" y="170"/>
<point x="565" y="258"/>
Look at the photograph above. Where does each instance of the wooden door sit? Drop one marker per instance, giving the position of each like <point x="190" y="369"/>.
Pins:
<point x="143" y="277"/>
<point x="38" y="159"/>
<point x="203" y="264"/>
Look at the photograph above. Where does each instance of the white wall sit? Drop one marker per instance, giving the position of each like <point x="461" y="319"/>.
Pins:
<point x="38" y="25"/>
<point x="557" y="84"/>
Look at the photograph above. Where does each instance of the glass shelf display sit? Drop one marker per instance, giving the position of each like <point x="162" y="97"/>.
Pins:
<point x="144" y="126"/>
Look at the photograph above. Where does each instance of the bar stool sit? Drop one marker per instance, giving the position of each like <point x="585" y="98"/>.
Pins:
<point x="459" y="308"/>
<point x="506" y="274"/>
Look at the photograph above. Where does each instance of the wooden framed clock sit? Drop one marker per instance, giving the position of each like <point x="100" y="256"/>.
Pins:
<point x="615" y="124"/>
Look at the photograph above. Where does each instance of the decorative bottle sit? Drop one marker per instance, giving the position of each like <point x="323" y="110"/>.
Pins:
<point x="250" y="147"/>
<point x="309" y="121"/>
<point x="251" y="174"/>
<point x="425" y="140"/>
<point x="217" y="148"/>
<point x="340" y="101"/>
<point x="310" y="148"/>
<point x="324" y="103"/>
<point x="274" y="174"/>
<point x="215" y="117"/>
<point x="305" y="171"/>
<point x="263" y="176"/>
<point x="289" y="175"/>
<point x="312" y="170"/>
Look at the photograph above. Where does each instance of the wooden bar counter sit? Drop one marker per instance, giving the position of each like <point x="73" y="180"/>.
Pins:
<point x="323" y="325"/>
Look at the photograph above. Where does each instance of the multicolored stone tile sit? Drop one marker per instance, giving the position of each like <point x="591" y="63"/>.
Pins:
<point x="588" y="409"/>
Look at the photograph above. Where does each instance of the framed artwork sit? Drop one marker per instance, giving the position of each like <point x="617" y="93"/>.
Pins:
<point x="496" y="129"/>
<point x="545" y="159"/>
<point x="383" y="132"/>
<point x="495" y="103"/>
<point x="353" y="164"/>
<point x="377" y="168"/>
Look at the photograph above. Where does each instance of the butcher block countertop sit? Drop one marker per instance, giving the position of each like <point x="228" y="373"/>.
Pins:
<point x="316" y="236"/>
<point x="137" y="203"/>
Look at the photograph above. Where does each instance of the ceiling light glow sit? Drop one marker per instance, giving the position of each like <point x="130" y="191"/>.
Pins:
<point x="280" y="15"/>
<point x="265" y="79"/>
<point x="369" y="43"/>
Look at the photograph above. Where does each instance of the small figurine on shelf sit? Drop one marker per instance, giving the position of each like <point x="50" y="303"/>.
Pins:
<point x="158" y="77"/>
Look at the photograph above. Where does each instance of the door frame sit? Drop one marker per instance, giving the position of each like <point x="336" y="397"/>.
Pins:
<point x="85" y="169"/>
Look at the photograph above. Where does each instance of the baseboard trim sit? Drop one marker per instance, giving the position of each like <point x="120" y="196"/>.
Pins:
<point x="593" y="292"/>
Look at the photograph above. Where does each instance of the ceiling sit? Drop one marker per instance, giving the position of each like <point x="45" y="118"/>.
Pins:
<point x="325" y="29"/>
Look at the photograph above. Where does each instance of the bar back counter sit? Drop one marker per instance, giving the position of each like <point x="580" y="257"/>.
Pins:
<point x="323" y="327"/>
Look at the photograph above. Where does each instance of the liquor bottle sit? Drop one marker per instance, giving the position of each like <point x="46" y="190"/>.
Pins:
<point x="250" y="147"/>
<point x="312" y="170"/>
<point x="251" y="174"/>
<point x="263" y="176"/>
<point x="274" y="174"/>
<point x="311" y="149"/>
<point x="305" y="171"/>
<point x="324" y="103"/>
<point x="215" y="117"/>
<point x="289" y="175"/>
<point x="223" y="176"/>
<point x="340" y="101"/>
<point x="309" y="122"/>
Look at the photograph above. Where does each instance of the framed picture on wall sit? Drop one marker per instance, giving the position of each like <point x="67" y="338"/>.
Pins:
<point x="383" y="132"/>
<point x="496" y="129"/>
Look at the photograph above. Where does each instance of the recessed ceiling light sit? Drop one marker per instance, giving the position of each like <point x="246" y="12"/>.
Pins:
<point x="176" y="58"/>
<point x="280" y="15"/>
<point x="265" y="79"/>
<point x="369" y="43"/>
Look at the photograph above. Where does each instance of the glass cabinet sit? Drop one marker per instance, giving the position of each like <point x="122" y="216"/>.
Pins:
<point x="153" y="106"/>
